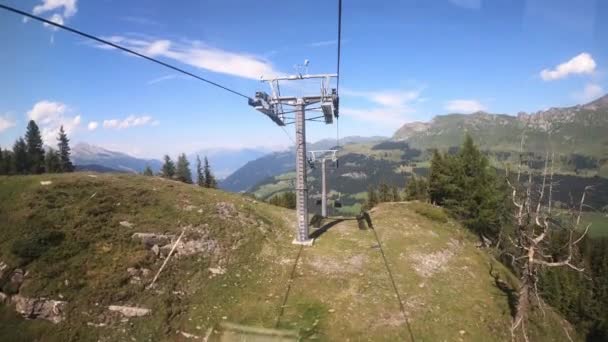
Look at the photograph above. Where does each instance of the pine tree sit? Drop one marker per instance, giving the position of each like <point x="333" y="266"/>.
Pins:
<point x="384" y="194"/>
<point x="200" y="176"/>
<point x="2" y="163"/>
<point x="64" y="151"/>
<point x="183" y="172"/>
<point x="395" y="194"/>
<point x="52" y="161"/>
<point x="20" y="159"/>
<point x="168" y="170"/>
<point x="35" y="151"/>
<point x="372" y="197"/>
<point x="7" y="166"/>
<point x="148" y="171"/>
<point x="210" y="181"/>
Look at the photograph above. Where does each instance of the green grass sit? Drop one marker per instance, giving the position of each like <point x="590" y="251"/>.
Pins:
<point x="340" y="290"/>
<point x="599" y="223"/>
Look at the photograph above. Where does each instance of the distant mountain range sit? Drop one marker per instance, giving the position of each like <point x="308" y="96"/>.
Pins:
<point x="96" y="158"/>
<point x="223" y="161"/>
<point x="578" y="135"/>
<point x="580" y="129"/>
<point x="277" y="163"/>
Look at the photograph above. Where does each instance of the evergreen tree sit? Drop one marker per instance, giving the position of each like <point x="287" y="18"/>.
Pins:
<point x="200" y="176"/>
<point x="52" y="161"/>
<point x="285" y="199"/>
<point x="183" y="172"/>
<point x="210" y="181"/>
<point x="417" y="189"/>
<point x="2" y="163"/>
<point x="372" y="197"/>
<point x="384" y="194"/>
<point x="395" y="194"/>
<point x="64" y="151"/>
<point x="20" y="159"/>
<point x="35" y="151"/>
<point x="168" y="170"/>
<point x="148" y="171"/>
<point x="7" y="166"/>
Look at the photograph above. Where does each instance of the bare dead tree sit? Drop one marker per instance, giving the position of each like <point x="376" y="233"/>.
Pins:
<point x="534" y="221"/>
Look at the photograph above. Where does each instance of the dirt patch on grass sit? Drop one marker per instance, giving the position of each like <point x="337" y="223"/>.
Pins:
<point x="427" y="264"/>
<point x="328" y="265"/>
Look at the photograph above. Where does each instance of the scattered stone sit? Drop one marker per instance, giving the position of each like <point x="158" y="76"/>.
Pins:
<point x="151" y="239"/>
<point x="92" y="176"/>
<point x="225" y="210"/>
<point x="217" y="270"/>
<point x="186" y="335"/>
<point x="126" y="224"/>
<point x="46" y="182"/>
<point x="224" y="317"/>
<point x="155" y="249"/>
<point x="3" y="267"/>
<point x="3" y="298"/>
<point x="17" y="278"/>
<point x="200" y="211"/>
<point x="96" y="325"/>
<point x="133" y="271"/>
<point x="32" y="308"/>
<point x="189" y="207"/>
<point x="462" y="332"/>
<point x="331" y="310"/>
<point x="129" y="311"/>
<point x="145" y="272"/>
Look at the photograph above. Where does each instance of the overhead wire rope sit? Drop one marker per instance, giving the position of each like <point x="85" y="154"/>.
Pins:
<point x="119" y="47"/>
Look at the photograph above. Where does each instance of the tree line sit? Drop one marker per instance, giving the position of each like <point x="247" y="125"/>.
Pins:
<point x="181" y="171"/>
<point x="28" y="155"/>
<point x="515" y="215"/>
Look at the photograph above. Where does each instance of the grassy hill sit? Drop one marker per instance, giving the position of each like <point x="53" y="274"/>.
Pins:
<point x="73" y="238"/>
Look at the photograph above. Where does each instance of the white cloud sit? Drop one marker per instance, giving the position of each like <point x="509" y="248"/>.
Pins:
<point x="6" y="123"/>
<point x="69" y="7"/>
<point x="589" y="93"/>
<point x="56" y="18"/>
<point x="50" y="116"/>
<point x="200" y="55"/>
<point x="580" y="64"/>
<point x="389" y="98"/>
<point x="130" y="121"/>
<point x="464" y="106"/>
<point x="391" y="106"/>
<point x="93" y="125"/>
<point x="163" y="78"/>
<point x="470" y="4"/>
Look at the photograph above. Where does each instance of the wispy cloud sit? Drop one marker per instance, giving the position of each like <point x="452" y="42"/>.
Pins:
<point x="589" y="93"/>
<point x="324" y="43"/>
<point x="6" y="123"/>
<point x="580" y="64"/>
<point x="390" y="107"/>
<point x="50" y="115"/>
<point x="59" y="10"/>
<point x="464" y="106"/>
<point x="130" y="121"/>
<point x="93" y="125"/>
<point x="163" y="78"/>
<point x="199" y="55"/>
<point x="469" y="4"/>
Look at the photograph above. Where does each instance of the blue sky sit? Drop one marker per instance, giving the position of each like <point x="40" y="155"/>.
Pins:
<point x="402" y="61"/>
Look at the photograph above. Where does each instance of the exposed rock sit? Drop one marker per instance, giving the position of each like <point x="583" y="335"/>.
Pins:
<point x="133" y="271"/>
<point x="217" y="270"/>
<point x="42" y="308"/>
<point x="129" y="311"/>
<point x="225" y="210"/>
<point x="17" y="278"/>
<point x="3" y="267"/>
<point x="187" y="335"/>
<point x="3" y="298"/>
<point x="155" y="249"/>
<point x="126" y="224"/>
<point x="151" y="239"/>
<point x="46" y="182"/>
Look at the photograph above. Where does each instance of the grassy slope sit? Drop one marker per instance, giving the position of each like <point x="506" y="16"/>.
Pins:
<point x="341" y="289"/>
